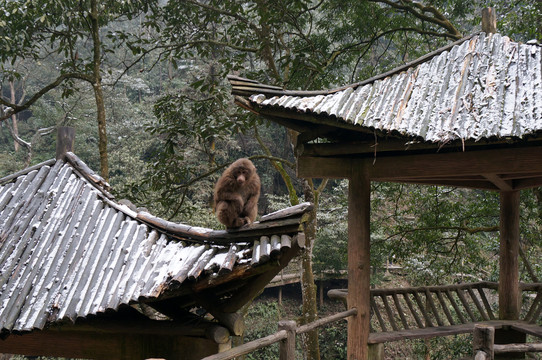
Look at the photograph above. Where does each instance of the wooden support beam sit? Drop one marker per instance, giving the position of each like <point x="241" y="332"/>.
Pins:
<point x="314" y="167"/>
<point x="102" y="345"/>
<point x="509" y="293"/>
<point x="359" y="270"/>
<point x="409" y="168"/>
<point x="503" y="185"/>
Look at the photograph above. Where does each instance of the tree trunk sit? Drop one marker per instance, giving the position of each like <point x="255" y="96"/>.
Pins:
<point x="98" y="91"/>
<point x="14" y="124"/>
<point x="309" y="309"/>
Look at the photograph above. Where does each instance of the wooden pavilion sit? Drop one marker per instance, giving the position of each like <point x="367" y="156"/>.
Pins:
<point x="85" y="276"/>
<point x="467" y="115"/>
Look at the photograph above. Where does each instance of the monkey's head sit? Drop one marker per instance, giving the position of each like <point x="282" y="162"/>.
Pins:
<point x="242" y="170"/>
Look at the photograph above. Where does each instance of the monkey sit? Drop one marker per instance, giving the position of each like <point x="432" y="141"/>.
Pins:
<point x="236" y="194"/>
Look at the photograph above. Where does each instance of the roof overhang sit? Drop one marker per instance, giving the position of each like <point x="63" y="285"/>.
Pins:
<point x="466" y="115"/>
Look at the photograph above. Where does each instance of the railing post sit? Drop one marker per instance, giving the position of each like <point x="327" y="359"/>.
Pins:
<point x="287" y="346"/>
<point x="483" y="339"/>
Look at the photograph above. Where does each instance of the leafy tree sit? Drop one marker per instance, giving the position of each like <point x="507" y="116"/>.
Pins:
<point x="296" y="44"/>
<point x="71" y="33"/>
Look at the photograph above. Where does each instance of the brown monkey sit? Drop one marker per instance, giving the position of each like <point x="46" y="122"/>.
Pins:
<point x="236" y="194"/>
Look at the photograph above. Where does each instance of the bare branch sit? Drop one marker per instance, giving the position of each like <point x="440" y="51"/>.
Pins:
<point x="17" y="108"/>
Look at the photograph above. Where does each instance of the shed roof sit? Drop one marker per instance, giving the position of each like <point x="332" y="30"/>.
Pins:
<point x="482" y="87"/>
<point x="69" y="250"/>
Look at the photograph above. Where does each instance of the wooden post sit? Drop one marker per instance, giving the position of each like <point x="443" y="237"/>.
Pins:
<point x="489" y="20"/>
<point x="509" y="295"/>
<point x="287" y="346"/>
<point x="64" y="141"/>
<point x="359" y="239"/>
<point x="483" y="339"/>
<point x="376" y="351"/>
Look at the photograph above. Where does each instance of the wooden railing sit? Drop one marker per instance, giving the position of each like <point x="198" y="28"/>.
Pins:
<point x="416" y="313"/>
<point x="286" y="337"/>
<point x="428" y="311"/>
<point x="484" y="341"/>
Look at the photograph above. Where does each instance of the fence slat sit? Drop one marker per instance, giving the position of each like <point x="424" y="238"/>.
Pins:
<point x="445" y="308"/>
<point x="455" y="306"/>
<point x="486" y="302"/>
<point x="400" y="310"/>
<point x="413" y="311"/>
<point x="477" y="304"/>
<point x="378" y="315"/>
<point x="391" y="317"/>
<point x="428" y="321"/>
<point x="536" y="303"/>
<point x="465" y="304"/>
<point x="429" y="299"/>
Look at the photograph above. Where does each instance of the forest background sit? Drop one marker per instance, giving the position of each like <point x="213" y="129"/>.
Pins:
<point x="143" y="82"/>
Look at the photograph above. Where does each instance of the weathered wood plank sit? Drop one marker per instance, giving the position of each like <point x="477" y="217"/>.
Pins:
<point x="296" y="210"/>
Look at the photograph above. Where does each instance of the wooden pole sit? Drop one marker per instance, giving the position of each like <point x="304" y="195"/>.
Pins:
<point x="509" y="300"/>
<point x="509" y="292"/>
<point x="489" y="20"/>
<point x="482" y="343"/>
<point x="359" y="239"/>
<point x="287" y="346"/>
<point x="64" y="141"/>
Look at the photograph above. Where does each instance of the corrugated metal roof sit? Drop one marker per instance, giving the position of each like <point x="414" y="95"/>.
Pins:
<point x="67" y="250"/>
<point x="486" y="86"/>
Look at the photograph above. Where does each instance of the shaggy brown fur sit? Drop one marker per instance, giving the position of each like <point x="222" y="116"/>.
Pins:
<point x="236" y="194"/>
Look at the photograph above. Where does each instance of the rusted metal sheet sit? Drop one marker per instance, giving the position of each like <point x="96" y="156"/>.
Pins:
<point x="67" y="250"/>
<point x="487" y="86"/>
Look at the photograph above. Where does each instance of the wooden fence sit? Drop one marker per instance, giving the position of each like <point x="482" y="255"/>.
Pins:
<point x="286" y="337"/>
<point x="418" y="313"/>
<point x="485" y="348"/>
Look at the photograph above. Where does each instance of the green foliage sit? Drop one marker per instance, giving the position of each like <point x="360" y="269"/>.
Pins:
<point x="261" y="320"/>
<point x="448" y="347"/>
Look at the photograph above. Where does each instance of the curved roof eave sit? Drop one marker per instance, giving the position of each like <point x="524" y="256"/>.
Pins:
<point x="483" y="87"/>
